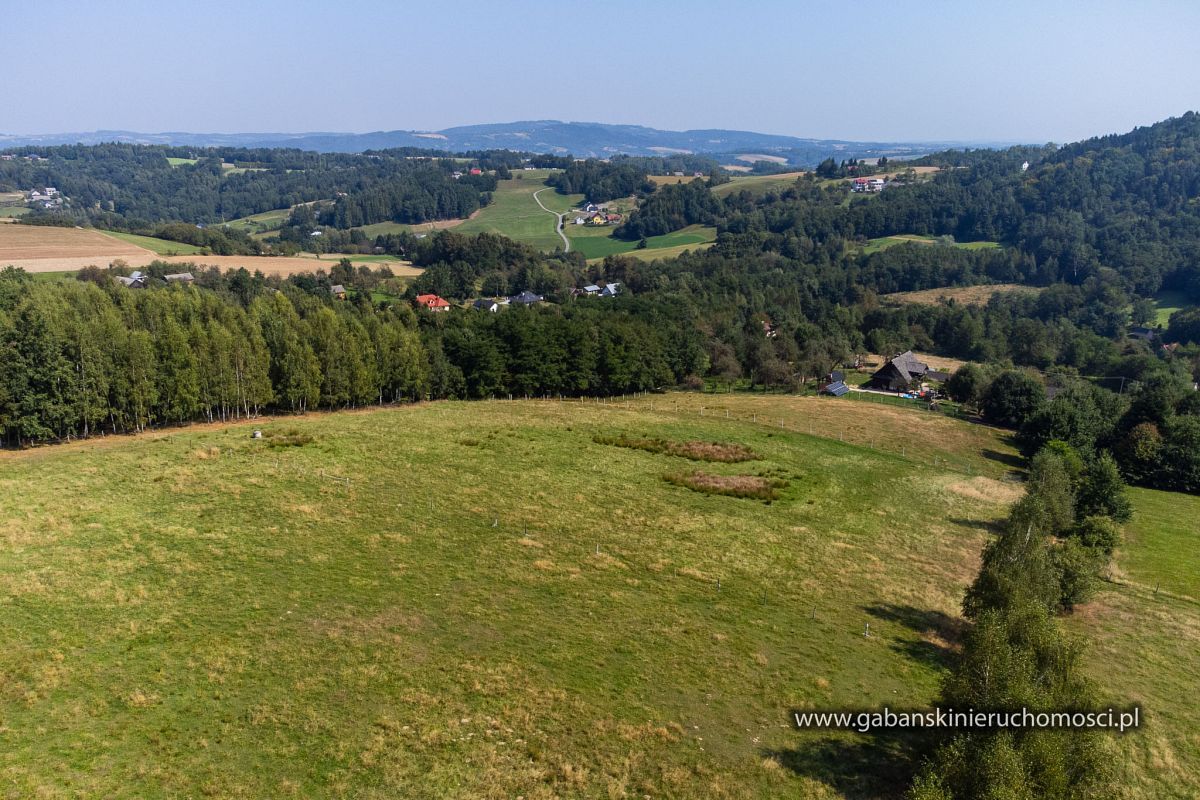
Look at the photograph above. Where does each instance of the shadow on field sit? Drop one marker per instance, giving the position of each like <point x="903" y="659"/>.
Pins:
<point x="939" y="632"/>
<point x="994" y="526"/>
<point x="856" y="766"/>
<point x="1014" y="460"/>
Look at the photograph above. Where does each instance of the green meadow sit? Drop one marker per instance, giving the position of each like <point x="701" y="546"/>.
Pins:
<point x="1167" y="303"/>
<point x="475" y="600"/>
<point x="162" y="247"/>
<point x="757" y="185"/>
<point x="598" y="242"/>
<point x="514" y="213"/>
<point x="884" y="242"/>
<point x="492" y="599"/>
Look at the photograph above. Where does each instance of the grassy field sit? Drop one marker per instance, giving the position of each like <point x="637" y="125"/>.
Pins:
<point x="757" y="184"/>
<point x="514" y="213"/>
<point x="476" y="600"/>
<point x="13" y="211"/>
<point x="1145" y="635"/>
<point x="162" y="247"/>
<point x="1167" y="303"/>
<point x="480" y="600"/>
<point x="178" y="162"/>
<point x="598" y="242"/>
<point x="884" y="242"/>
<point x="261" y="223"/>
<point x="963" y="295"/>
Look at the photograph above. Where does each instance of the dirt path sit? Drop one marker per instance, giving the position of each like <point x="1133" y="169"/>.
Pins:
<point x="558" y="228"/>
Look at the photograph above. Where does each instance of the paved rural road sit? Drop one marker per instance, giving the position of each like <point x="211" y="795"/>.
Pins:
<point x="558" y="228"/>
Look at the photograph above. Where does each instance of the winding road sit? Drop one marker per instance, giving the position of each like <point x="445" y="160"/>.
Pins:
<point x="559" y="226"/>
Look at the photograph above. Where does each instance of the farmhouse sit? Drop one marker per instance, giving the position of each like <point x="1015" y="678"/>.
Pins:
<point x="179" y="277"/>
<point x="136" y="280"/>
<point x="338" y="291"/>
<point x="526" y="298"/>
<point x="1143" y="333"/>
<point x="483" y="304"/>
<point x="610" y="290"/>
<point x="432" y="302"/>
<point x="867" y="185"/>
<point x="899" y="374"/>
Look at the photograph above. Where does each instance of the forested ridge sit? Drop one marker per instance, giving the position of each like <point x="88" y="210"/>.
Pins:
<point x="134" y="186"/>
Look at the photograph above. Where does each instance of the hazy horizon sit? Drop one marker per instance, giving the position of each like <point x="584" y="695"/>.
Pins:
<point x="902" y="71"/>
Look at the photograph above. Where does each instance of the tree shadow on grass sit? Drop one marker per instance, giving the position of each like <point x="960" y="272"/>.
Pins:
<point x="939" y="632"/>
<point x="874" y="766"/>
<point x="993" y="526"/>
<point x="1014" y="460"/>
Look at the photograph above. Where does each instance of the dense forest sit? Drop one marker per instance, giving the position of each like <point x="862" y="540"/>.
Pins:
<point x="133" y="187"/>
<point x="623" y="176"/>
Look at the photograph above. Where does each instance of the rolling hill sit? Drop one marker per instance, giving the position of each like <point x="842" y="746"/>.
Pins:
<point x="581" y="139"/>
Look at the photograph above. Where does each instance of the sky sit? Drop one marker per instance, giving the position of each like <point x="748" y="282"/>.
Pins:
<point x="900" y="70"/>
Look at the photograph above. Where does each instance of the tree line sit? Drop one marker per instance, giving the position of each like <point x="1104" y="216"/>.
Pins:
<point x="90" y="356"/>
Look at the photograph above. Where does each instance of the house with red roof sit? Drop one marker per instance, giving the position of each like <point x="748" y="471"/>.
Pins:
<point x="432" y="302"/>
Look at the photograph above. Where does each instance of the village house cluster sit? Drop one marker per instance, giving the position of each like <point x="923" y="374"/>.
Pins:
<point x="45" y="197"/>
<point x="437" y="304"/>
<point x="868" y="185"/>
<point x="597" y="215"/>
<point x="139" y="280"/>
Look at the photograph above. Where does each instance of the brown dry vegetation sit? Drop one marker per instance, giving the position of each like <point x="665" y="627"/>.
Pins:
<point x="909" y="432"/>
<point x="37" y="242"/>
<point x="724" y="452"/>
<point x="748" y="486"/>
<point x="963" y="295"/>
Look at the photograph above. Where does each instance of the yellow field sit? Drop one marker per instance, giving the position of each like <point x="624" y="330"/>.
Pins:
<point x="50" y="249"/>
<point x="20" y="243"/>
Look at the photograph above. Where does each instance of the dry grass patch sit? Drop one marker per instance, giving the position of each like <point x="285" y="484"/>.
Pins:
<point x="746" y="486"/>
<point x="721" y="452"/>
<point x="962" y="295"/>
<point x="988" y="490"/>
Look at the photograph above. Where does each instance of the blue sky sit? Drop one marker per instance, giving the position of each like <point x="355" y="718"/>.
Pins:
<point x="856" y="69"/>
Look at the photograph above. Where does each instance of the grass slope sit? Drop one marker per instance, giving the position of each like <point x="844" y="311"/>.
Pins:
<point x="478" y="600"/>
<point x="757" y="185"/>
<point x="884" y="242"/>
<point x="163" y="247"/>
<point x="1167" y="303"/>
<point x="514" y="213"/>
<point x="598" y="242"/>
<point x="261" y="223"/>
<point x="1144" y="630"/>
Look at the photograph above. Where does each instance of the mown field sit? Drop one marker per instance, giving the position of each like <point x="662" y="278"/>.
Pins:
<point x="480" y="600"/>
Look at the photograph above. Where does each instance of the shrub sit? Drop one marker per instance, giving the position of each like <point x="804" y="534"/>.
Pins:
<point x="1078" y="567"/>
<point x="1098" y="533"/>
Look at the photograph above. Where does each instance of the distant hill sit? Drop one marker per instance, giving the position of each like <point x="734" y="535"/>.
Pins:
<point x="581" y="139"/>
